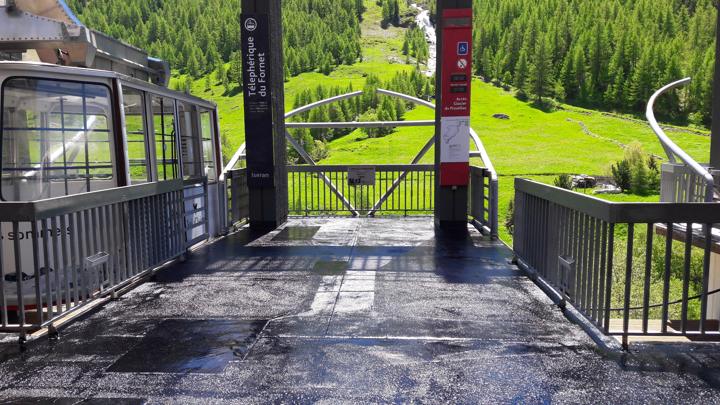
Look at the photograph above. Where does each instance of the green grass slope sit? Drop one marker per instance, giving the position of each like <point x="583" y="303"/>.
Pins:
<point x="534" y="143"/>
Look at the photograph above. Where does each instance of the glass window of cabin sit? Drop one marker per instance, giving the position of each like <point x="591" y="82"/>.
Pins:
<point x="206" y="131"/>
<point x="135" y="128"/>
<point x="189" y="145"/>
<point x="56" y="139"/>
<point x="165" y="146"/>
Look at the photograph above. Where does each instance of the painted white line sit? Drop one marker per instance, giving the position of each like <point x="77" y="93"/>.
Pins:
<point x="326" y="296"/>
<point x="404" y="338"/>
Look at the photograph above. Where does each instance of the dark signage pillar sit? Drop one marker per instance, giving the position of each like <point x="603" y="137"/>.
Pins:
<point x="452" y="127"/>
<point x="263" y="81"/>
<point x="715" y="137"/>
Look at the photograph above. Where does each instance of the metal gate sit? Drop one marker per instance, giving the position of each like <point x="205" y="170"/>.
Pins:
<point x="361" y="190"/>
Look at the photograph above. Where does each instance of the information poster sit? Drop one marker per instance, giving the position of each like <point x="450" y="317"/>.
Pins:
<point x="455" y="103"/>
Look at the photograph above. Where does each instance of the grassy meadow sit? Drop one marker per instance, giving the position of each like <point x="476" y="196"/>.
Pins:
<point x="533" y="143"/>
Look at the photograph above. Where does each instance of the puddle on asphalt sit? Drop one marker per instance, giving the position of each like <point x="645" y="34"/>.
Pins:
<point x="190" y="346"/>
<point x="296" y="233"/>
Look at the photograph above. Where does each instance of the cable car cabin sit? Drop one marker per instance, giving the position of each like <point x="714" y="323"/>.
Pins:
<point x="67" y="131"/>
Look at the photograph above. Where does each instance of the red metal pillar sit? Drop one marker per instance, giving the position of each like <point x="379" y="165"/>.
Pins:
<point x="452" y="127"/>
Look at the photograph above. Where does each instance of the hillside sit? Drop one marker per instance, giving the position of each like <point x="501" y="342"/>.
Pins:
<point x="609" y="54"/>
<point x="539" y="141"/>
<point x="532" y="144"/>
<point x="196" y="37"/>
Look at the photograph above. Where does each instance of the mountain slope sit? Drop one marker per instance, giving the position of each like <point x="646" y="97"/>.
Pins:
<point x="197" y="36"/>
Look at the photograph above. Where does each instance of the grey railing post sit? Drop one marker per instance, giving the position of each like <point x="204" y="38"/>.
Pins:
<point x="494" y="202"/>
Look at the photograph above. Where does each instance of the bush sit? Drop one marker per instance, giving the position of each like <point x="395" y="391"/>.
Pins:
<point x="521" y="95"/>
<point x="320" y="151"/>
<point x="696" y="119"/>
<point x="637" y="173"/>
<point x="564" y="181"/>
<point x="372" y="116"/>
<point x="621" y="175"/>
<point x="635" y="154"/>
<point x="655" y="177"/>
<point x="639" y="178"/>
<point x="642" y="177"/>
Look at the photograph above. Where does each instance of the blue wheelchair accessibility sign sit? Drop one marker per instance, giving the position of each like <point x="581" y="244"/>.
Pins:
<point x="463" y="48"/>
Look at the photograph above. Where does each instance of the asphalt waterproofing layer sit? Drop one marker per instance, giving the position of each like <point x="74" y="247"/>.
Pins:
<point x="345" y="311"/>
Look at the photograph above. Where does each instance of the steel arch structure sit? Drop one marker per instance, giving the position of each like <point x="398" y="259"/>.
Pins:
<point x="479" y="152"/>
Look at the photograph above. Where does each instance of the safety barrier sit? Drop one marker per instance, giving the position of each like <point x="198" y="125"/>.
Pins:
<point x="60" y="255"/>
<point x="680" y="183"/>
<point x="630" y="268"/>
<point x="361" y="190"/>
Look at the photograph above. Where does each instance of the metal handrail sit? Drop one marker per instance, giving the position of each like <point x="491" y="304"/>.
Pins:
<point x="344" y="168"/>
<point x="620" y="212"/>
<point x="27" y="211"/>
<point x="79" y="248"/>
<point x="239" y="154"/>
<point x="406" y="97"/>
<point x="671" y="148"/>
<point x="483" y="154"/>
<point x="571" y="251"/>
<point x="308" y="195"/>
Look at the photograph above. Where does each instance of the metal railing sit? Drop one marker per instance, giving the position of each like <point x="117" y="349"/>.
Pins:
<point x="67" y="252"/>
<point x="483" y="200"/>
<point x="696" y="184"/>
<point x="681" y="183"/>
<point x="238" y="197"/>
<point x="618" y="264"/>
<point x="385" y="190"/>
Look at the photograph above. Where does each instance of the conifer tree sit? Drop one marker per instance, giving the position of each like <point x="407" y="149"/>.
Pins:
<point x="521" y="72"/>
<point x="541" y="71"/>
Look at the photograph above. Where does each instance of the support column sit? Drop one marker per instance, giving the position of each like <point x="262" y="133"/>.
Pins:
<point x="452" y="127"/>
<point x="715" y="138"/>
<point x="263" y="81"/>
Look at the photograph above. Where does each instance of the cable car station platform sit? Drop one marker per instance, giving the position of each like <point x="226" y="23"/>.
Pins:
<point x="357" y="310"/>
<point x="139" y="270"/>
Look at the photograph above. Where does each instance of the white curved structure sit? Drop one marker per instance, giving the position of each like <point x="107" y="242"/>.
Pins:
<point x="672" y="150"/>
<point x="480" y="151"/>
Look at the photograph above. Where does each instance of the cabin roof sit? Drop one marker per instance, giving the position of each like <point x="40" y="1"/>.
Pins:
<point x="39" y="67"/>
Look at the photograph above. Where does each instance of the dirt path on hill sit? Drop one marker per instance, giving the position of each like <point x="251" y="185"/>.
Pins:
<point x="587" y="131"/>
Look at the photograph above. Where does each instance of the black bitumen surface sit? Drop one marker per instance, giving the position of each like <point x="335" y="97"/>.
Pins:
<point x="345" y="311"/>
